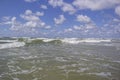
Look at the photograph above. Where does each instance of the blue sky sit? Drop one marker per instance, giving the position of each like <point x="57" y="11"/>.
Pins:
<point x="60" y="18"/>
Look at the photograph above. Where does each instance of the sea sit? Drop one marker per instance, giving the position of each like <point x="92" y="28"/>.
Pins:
<point x="59" y="58"/>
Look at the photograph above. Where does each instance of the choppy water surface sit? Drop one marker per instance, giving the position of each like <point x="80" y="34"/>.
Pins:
<point x="60" y="61"/>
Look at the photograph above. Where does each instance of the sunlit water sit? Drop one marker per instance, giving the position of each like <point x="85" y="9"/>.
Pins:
<point x="64" y="61"/>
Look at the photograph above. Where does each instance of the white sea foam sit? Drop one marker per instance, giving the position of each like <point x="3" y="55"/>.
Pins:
<point x="28" y="57"/>
<point x="27" y="71"/>
<point x="11" y="45"/>
<point x="70" y="40"/>
<point x="76" y="41"/>
<point x="117" y="61"/>
<point x="48" y="40"/>
<point x="61" y="59"/>
<point x="16" y="79"/>
<point x="82" y="69"/>
<point x="102" y="74"/>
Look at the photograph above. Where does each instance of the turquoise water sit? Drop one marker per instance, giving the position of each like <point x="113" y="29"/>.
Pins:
<point x="59" y="60"/>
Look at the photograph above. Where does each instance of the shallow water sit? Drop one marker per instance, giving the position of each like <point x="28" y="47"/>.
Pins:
<point x="65" y="61"/>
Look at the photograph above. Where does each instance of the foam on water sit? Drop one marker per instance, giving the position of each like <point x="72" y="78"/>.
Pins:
<point x="102" y="74"/>
<point x="15" y="79"/>
<point x="29" y="57"/>
<point x="48" y="40"/>
<point x="117" y="61"/>
<point x="61" y="59"/>
<point x="70" y="40"/>
<point x="83" y="69"/>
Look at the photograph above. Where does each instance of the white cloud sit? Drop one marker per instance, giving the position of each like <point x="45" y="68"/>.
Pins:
<point x="30" y="16"/>
<point x="87" y="24"/>
<point x="117" y="10"/>
<point x="43" y="24"/>
<point x="15" y="25"/>
<point x="90" y="26"/>
<point x="95" y="4"/>
<point x="30" y="1"/>
<point x="77" y="27"/>
<point x="110" y="29"/>
<point x="13" y="19"/>
<point x="28" y="12"/>
<point x="117" y="20"/>
<point x="47" y="27"/>
<point x="39" y="13"/>
<point x="33" y="19"/>
<point x="43" y="6"/>
<point x="68" y="30"/>
<point x="5" y="18"/>
<point x="59" y="20"/>
<point x="85" y="4"/>
<point x="30" y="24"/>
<point x="84" y="27"/>
<point x="65" y="7"/>
<point x="68" y="8"/>
<point x="83" y="18"/>
<point x="56" y="3"/>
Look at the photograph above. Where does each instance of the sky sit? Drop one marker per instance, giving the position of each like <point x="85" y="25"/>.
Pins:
<point x="60" y="18"/>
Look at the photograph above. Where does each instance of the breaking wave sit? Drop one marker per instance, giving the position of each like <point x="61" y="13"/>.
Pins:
<point x="40" y="41"/>
<point x="18" y="42"/>
<point x="65" y="40"/>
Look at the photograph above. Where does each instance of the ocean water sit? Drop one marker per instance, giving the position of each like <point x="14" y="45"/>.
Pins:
<point x="59" y="59"/>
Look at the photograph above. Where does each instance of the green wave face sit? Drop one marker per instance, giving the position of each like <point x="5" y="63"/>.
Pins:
<point x="55" y="42"/>
<point x="34" y="42"/>
<point x="39" y="41"/>
<point x="21" y="39"/>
